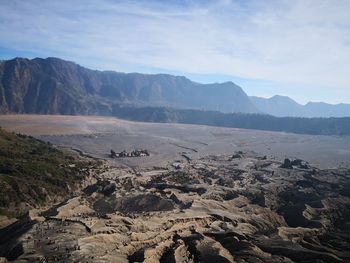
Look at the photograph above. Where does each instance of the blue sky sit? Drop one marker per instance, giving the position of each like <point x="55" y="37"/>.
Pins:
<point x="298" y="48"/>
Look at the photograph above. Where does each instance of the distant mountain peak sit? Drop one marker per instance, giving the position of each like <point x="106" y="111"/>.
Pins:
<point x="281" y="97"/>
<point x="282" y="106"/>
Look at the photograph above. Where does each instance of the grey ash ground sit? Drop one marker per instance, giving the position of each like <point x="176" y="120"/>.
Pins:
<point x="96" y="136"/>
<point x="233" y="207"/>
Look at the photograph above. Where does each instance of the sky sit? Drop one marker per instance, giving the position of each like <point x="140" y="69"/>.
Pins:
<point x="297" y="48"/>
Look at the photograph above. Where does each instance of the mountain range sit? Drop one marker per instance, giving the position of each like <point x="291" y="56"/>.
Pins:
<point x="56" y="86"/>
<point x="282" y="106"/>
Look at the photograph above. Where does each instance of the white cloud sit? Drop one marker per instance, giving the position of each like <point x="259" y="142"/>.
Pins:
<point x="301" y="42"/>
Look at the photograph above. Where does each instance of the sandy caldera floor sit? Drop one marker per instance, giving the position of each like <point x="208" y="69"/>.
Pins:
<point x="96" y="136"/>
<point x="201" y="196"/>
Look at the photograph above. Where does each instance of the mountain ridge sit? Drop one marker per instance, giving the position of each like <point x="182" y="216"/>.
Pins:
<point x="284" y="106"/>
<point x="42" y="85"/>
<point x="56" y="86"/>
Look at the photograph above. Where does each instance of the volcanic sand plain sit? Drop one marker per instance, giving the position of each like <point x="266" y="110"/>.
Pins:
<point x="167" y="142"/>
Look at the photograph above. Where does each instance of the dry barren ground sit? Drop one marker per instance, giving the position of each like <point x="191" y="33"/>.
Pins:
<point x="96" y="136"/>
<point x="202" y="195"/>
<point x="229" y="208"/>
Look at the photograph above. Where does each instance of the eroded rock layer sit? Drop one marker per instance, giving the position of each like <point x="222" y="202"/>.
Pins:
<point x="231" y="208"/>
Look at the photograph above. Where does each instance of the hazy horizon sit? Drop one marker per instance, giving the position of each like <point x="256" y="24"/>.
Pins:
<point x="203" y="81"/>
<point x="295" y="48"/>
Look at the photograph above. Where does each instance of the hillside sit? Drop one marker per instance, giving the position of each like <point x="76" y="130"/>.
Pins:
<point x="34" y="173"/>
<point x="55" y="86"/>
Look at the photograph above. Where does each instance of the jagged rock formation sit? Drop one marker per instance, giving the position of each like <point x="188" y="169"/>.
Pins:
<point x="236" y="208"/>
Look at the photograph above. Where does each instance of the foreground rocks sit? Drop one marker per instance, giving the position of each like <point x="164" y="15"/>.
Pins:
<point x="234" y="208"/>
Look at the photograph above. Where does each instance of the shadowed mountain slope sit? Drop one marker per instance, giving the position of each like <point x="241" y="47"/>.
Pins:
<point x="55" y="86"/>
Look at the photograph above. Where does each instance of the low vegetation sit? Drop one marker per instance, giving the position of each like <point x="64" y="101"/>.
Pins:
<point x="314" y="126"/>
<point x="179" y="177"/>
<point x="33" y="172"/>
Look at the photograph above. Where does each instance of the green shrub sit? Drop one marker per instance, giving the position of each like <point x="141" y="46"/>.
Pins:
<point x="31" y="171"/>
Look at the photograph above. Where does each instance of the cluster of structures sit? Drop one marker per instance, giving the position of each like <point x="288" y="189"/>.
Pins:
<point x="134" y="153"/>
<point x="288" y="164"/>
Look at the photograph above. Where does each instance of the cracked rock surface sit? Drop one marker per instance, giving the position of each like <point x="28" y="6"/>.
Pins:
<point x="221" y="208"/>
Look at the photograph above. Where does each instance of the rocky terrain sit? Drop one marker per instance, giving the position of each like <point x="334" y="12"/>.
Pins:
<point x="240" y="207"/>
<point x="201" y="195"/>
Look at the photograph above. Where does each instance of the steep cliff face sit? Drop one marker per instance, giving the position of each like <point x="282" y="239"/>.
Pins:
<point x="55" y="86"/>
<point x="48" y="86"/>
